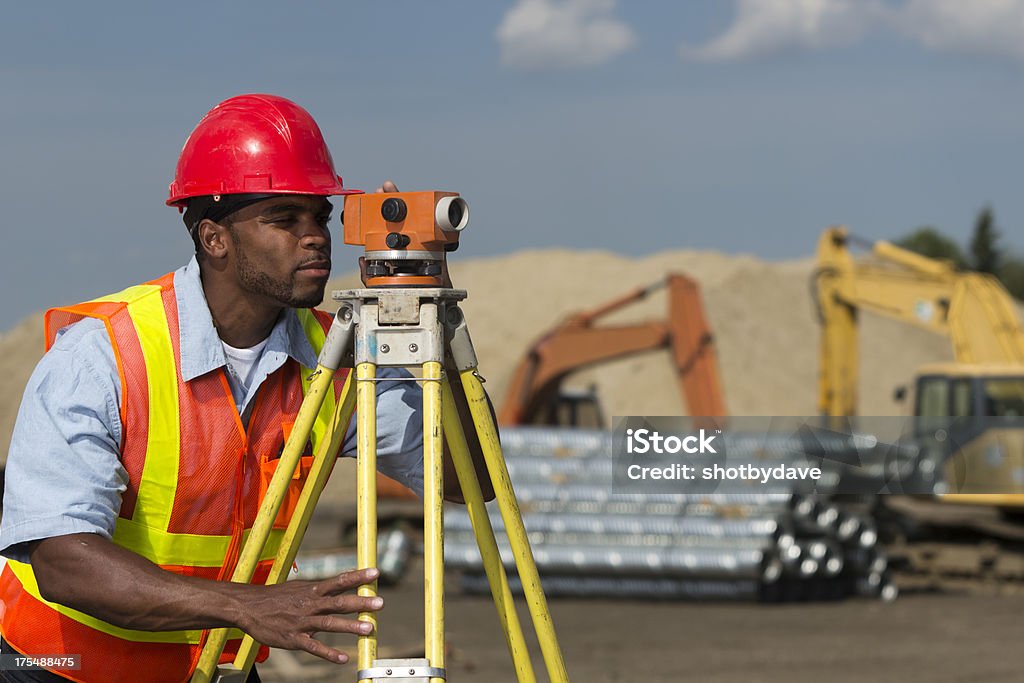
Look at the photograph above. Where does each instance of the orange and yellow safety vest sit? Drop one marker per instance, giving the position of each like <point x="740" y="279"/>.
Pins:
<point x="196" y="478"/>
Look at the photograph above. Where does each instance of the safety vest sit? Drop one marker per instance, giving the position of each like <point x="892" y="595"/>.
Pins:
<point x="196" y="478"/>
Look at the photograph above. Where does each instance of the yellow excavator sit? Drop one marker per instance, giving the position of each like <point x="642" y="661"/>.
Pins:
<point x="974" y="404"/>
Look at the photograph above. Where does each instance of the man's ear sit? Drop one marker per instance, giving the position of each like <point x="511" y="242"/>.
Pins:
<point x="214" y="239"/>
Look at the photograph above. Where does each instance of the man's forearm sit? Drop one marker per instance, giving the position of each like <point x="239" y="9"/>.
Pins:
<point x="453" y="490"/>
<point x="93" y="575"/>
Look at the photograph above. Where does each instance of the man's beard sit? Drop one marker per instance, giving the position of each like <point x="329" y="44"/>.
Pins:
<point x="259" y="282"/>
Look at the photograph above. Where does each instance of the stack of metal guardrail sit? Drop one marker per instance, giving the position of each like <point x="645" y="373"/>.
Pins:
<point x="777" y="545"/>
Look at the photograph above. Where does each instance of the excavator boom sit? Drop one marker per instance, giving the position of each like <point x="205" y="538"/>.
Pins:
<point x="578" y="343"/>
<point x="972" y="309"/>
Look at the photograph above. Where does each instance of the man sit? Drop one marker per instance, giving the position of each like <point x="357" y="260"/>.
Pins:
<point x="148" y="432"/>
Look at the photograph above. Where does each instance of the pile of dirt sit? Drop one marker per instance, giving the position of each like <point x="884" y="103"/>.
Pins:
<point x="20" y="349"/>
<point x="762" y="316"/>
<point x="761" y="313"/>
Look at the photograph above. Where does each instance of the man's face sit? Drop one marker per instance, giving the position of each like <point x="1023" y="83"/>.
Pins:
<point x="283" y="248"/>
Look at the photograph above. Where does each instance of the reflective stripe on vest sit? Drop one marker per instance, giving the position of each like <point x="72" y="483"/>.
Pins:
<point x="159" y="518"/>
<point x="314" y="329"/>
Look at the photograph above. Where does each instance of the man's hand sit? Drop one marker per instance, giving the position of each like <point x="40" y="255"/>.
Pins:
<point x="93" y="575"/>
<point x="290" y="614"/>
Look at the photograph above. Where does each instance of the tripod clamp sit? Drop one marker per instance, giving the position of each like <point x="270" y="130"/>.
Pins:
<point x="404" y="327"/>
<point x="406" y="670"/>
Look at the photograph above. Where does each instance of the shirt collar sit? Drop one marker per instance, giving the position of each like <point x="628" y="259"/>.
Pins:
<point x="201" y="349"/>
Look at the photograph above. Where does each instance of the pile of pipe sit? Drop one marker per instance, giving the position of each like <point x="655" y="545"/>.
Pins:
<point x="394" y="552"/>
<point x="771" y="546"/>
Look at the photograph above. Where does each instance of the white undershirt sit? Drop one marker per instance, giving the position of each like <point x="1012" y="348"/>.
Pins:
<point x="242" y="369"/>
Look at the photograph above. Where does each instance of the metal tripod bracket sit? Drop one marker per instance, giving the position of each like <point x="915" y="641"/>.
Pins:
<point x="405" y="670"/>
<point x="228" y="673"/>
<point x="401" y="327"/>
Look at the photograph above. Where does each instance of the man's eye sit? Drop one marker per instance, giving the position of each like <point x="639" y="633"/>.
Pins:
<point x="324" y="220"/>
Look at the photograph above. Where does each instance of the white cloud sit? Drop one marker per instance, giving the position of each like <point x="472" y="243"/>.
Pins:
<point x="765" y="27"/>
<point x="566" y="33"/>
<point x="992" y="27"/>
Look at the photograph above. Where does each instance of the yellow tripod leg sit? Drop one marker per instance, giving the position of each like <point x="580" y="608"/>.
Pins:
<point x="495" y="570"/>
<point x="366" y="498"/>
<point x="253" y="547"/>
<point x="433" y="518"/>
<point x="323" y="463"/>
<point x="506" y="497"/>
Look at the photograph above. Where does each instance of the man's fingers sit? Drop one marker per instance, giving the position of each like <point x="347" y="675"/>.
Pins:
<point x="315" y="647"/>
<point x="348" y="580"/>
<point x="335" y="624"/>
<point x="388" y="186"/>
<point x="349" y="604"/>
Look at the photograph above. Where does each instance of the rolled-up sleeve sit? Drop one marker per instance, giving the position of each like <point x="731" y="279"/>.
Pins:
<point x="63" y="473"/>
<point x="399" y="429"/>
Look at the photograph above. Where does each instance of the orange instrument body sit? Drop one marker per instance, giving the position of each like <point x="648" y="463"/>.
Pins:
<point x="406" y="234"/>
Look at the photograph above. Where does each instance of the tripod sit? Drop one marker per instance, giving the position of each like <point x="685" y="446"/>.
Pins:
<point x="403" y="327"/>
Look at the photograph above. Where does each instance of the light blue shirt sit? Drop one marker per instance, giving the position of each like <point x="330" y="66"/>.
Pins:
<point x="64" y="472"/>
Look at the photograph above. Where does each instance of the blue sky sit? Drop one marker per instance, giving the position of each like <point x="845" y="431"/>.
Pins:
<point x="737" y="125"/>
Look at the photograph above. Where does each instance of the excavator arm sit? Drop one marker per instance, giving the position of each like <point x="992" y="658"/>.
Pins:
<point x="578" y="343"/>
<point x="972" y="309"/>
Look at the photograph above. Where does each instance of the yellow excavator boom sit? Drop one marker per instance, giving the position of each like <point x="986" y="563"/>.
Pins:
<point x="972" y="309"/>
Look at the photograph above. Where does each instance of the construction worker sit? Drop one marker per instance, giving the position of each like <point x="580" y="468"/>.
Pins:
<point x="150" y="429"/>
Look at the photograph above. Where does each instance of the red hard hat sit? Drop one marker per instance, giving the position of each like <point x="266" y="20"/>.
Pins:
<point x="255" y="144"/>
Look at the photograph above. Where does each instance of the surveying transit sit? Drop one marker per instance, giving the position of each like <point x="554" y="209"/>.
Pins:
<point x="406" y="317"/>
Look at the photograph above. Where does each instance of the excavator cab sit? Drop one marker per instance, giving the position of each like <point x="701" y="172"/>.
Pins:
<point x="969" y="414"/>
<point x="576" y="409"/>
<point x="1002" y="396"/>
<point x="969" y="391"/>
<point x="971" y="417"/>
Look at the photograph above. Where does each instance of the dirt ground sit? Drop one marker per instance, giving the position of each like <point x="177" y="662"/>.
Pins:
<point x="926" y="637"/>
<point x="931" y="637"/>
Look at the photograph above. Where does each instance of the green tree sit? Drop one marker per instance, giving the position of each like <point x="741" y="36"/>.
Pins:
<point x="1011" y="274"/>
<point x="928" y="241"/>
<point x="986" y="255"/>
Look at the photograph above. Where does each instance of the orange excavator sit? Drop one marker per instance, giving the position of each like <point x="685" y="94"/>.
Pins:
<point x="535" y="395"/>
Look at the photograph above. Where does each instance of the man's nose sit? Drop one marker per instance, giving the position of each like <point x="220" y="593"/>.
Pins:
<point x="315" y="235"/>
